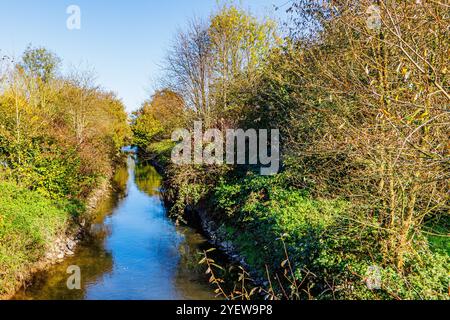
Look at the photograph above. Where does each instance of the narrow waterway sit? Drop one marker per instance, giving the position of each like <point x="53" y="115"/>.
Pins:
<point x="134" y="252"/>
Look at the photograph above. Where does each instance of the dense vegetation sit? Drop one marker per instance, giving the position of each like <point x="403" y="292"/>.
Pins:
<point x="362" y="106"/>
<point x="60" y="136"/>
<point x="360" y="94"/>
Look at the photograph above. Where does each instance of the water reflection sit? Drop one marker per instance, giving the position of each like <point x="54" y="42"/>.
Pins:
<point x="147" y="179"/>
<point x="135" y="251"/>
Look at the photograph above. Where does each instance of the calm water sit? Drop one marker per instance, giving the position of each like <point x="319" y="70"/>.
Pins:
<point x="135" y="251"/>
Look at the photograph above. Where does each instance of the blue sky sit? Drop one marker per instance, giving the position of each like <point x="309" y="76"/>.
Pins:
<point x="123" y="41"/>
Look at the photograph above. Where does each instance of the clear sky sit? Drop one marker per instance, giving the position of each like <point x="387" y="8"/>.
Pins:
<point x="123" y="41"/>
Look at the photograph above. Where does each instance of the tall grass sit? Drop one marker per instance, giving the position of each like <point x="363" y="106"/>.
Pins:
<point x="29" y="223"/>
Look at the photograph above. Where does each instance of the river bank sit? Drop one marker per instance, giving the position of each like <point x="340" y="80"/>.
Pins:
<point x="60" y="245"/>
<point x="201" y="216"/>
<point x="296" y="245"/>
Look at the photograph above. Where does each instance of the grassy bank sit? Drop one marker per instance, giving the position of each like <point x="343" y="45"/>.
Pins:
<point x="302" y="246"/>
<point x="29" y="224"/>
<point x="323" y="250"/>
<point x="37" y="232"/>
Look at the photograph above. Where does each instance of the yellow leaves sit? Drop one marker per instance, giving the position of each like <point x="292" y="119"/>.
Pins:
<point x="236" y="36"/>
<point x="387" y="113"/>
<point x="34" y="119"/>
<point x="424" y="115"/>
<point x="419" y="115"/>
<point x="406" y="73"/>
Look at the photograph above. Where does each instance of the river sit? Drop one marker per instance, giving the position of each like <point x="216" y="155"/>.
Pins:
<point x="134" y="251"/>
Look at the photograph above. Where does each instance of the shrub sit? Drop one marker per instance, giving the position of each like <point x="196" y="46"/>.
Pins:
<point x="29" y="223"/>
<point x="330" y="250"/>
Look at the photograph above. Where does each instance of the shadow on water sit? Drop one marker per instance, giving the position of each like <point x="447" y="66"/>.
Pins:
<point x="134" y="250"/>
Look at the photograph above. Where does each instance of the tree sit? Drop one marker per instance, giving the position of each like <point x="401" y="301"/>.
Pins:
<point x="168" y="108"/>
<point x="371" y="102"/>
<point x="239" y="44"/>
<point x="210" y="60"/>
<point x="146" y="128"/>
<point x="40" y="63"/>
<point x="58" y="135"/>
<point x="189" y="67"/>
<point x="79" y="98"/>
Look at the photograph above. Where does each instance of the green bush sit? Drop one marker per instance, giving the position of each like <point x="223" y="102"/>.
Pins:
<point x="162" y="150"/>
<point x="330" y="251"/>
<point x="29" y="223"/>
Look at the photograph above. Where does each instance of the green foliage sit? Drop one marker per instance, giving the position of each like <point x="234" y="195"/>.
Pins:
<point x="29" y="222"/>
<point x="51" y="171"/>
<point x="437" y="232"/>
<point x="59" y="137"/>
<point x="146" y="129"/>
<point x="239" y="41"/>
<point x="40" y="63"/>
<point x="364" y="141"/>
<point x="158" y="118"/>
<point x="162" y="150"/>
<point x="267" y="211"/>
<point x="330" y="254"/>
